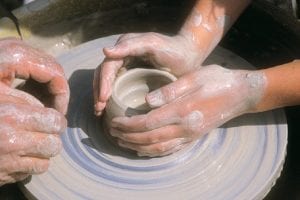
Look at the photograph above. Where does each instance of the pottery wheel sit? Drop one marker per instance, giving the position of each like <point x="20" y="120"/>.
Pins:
<point x="240" y="160"/>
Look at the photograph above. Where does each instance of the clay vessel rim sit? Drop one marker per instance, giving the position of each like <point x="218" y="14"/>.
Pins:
<point x="136" y="72"/>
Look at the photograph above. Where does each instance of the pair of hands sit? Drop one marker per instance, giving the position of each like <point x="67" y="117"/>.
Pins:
<point x="29" y="131"/>
<point x="200" y="100"/>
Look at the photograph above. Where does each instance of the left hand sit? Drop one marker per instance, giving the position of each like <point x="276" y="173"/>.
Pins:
<point x="177" y="54"/>
<point x="188" y="108"/>
<point x="19" y="60"/>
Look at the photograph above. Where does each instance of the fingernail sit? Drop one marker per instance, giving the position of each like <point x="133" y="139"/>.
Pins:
<point x="99" y="106"/>
<point x="98" y="113"/>
<point x="155" y="98"/>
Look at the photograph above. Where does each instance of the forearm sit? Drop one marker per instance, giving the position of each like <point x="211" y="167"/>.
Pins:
<point x="210" y="20"/>
<point x="282" y="87"/>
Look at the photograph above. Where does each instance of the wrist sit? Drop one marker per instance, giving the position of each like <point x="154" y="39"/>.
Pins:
<point x="282" y="88"/>
<point x="255" y="85"/>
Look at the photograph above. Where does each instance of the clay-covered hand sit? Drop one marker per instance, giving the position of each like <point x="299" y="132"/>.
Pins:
<point x="176" y="54"/>
<point x="188" y="108"/>
<point x="29" y="135"/>
<point x="19" y="60"/>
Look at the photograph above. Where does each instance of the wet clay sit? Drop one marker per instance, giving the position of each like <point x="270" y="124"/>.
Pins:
<point x="129" y="92"/>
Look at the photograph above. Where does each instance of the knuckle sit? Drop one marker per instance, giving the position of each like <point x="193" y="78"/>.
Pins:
<point x="151" y="139"/>
<point x="7" y="140"/>
<point x="194" y="122"/>
<point x="156" y="39"/>
<point x="57" y="121"/>
<point x="50" y="146"/>
<point x="8" y="110"/>
<point x="40" y="166"/>
<point x="168" y="92"/>
<point x="160" y="148"/>
<point x="189" y="106"/>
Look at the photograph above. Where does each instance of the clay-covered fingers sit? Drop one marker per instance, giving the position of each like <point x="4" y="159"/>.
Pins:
<point x="156" y="149"/>
<point x="31" y="118"/>
<point x="18" y="176"/>
<point x="185" y="85"/>
<point x="134" y="45"/>
<point x="104" y="77"/>
<point x="32" y="144"/>
<point x="11" y="95"/>
<point x="27" y="165"/>
<point x="127" y="36"/>
<point x="162" y="134"/>
<point x="49" y="72"/>
<point x="157" y="118"/>
<point x="14" y="168"/>
<point x="25" y="62"/>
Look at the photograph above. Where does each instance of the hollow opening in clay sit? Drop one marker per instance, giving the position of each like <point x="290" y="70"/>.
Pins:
<point x="132" y="87"/>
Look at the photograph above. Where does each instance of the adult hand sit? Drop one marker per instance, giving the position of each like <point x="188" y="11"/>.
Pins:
<point x="188" y="108"/>
<point x="29" y="132"/>
<point x="19" y="60"/>
<point x="29" y="135"/>
<point x="177" y="54"/>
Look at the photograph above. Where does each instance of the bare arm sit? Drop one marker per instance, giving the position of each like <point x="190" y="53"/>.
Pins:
<point x="210" y="20"/>
<point x="179" y="54"/>
<point x="282" y="86"/>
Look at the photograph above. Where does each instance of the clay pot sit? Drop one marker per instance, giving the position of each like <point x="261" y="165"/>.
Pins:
<point x="129" y="91"/>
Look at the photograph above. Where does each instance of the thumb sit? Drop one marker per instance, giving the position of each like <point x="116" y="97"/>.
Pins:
<point x="168" y="93"/>
<point x="138" y="46"/>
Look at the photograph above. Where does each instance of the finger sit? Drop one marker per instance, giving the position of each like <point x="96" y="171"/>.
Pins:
<point x="98" y="105"/>
<point x="53" y="76"/>
<point x="59" y="88"/>
<point x="96" y="86"/>
<point x="103" y="88"/>
<point x="150" y="137"/>
<point x="170" y="151"/>
<point x="136" y="46"/>
<point x="61" y="102"/>
<point x="42" y="146"/>
<point x="30" y="165"/>
<point x="19" y="176"/>
<point x="33" y="144"/>
<point x="32" y="118"/>
<point x="33" y="63"/>
<point x="27" y="165"/>
<point x="157" y="118"/>
<point x="127" y="37"/>
<point x="16" y="96"/>
<point x="12" y="178"/>
<point x="166" y="94"/>
<point x="153" y="149"/>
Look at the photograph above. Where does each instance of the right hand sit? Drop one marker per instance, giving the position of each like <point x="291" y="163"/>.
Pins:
<point x="176" y="54"/>
<point x="29" y="135"/>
